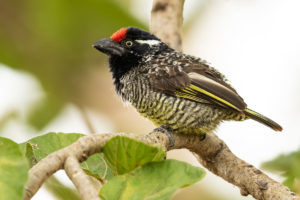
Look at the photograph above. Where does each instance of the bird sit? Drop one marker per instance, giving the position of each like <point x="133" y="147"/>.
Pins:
<point x="179" y="93"/>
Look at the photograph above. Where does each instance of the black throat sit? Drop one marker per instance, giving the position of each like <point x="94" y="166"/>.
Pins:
<point x="120" y="65"/>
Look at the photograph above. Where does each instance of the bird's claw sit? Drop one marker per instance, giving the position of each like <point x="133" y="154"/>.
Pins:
<point x="165" y="131"/>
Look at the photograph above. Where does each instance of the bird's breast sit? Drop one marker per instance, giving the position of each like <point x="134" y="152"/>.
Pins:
<point x="177" y="113"/>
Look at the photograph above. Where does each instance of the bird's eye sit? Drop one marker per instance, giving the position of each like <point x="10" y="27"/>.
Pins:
<point x="129" y="43"/>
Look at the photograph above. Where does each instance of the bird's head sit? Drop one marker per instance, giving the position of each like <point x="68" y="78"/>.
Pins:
<point x="128" y="42"/>
<point x="126" y="48"/>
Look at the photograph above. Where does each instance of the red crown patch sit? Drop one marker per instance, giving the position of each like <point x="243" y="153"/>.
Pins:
<point x="119" y="35"/>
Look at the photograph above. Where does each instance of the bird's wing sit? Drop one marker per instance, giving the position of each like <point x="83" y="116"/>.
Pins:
<point x="196" y="82"/>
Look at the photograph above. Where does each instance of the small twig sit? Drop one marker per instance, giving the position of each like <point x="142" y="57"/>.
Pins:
<point x="80" y="179"/>
<point x="86" y="119"/>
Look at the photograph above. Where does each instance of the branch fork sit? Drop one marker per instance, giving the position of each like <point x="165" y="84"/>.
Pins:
<point x="211" y="152"/>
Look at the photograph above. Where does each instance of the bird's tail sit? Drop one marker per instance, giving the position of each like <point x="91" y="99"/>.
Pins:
<point x="262" y="119"/>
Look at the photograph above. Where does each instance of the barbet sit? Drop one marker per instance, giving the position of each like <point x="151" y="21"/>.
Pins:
<point x="178" y="92"/>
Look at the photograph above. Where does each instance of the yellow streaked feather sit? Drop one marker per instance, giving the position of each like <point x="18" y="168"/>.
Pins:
<point x="188" y="96"/>
<point x="212" y="95"/>
<point x="252" y="112"/>
<point x="188" y="91"/>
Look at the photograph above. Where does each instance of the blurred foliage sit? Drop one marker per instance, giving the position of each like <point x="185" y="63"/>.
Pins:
<point x="60" y="191"/>
<point x="288" y="165"/>
<point x="8" y="116"/>
<point x="13" y="166"/>
<point x="44" y="111"/>
<point x="52" y="39"/>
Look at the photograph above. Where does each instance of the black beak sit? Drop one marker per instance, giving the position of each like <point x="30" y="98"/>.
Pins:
<point x="109" y="47"/>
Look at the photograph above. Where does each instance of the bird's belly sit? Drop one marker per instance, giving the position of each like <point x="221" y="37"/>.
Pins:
<point x="180" y="115"/>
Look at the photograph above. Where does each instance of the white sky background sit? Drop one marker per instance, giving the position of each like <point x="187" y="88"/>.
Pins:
<point x="255" y="43"/>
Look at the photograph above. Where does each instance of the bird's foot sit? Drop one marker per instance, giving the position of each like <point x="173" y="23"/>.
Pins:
<point x="165" y="130"/>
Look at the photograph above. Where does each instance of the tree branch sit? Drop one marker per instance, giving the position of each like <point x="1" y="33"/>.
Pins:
<point x="80" y="179"/>
<point x="80" y="150"/>
<point x="166" y="21"/>
<point x="213" y="154"/>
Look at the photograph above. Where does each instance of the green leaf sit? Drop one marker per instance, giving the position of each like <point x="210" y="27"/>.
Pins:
<point x="13" y="170"/>
<point x="124" y="154"/>
<point x="97" y="167"/>
<point x="287" y="165"/>
<point x="39" y="147"/>
<point x="156" y="180"/>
